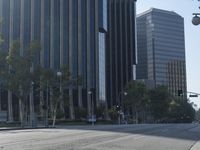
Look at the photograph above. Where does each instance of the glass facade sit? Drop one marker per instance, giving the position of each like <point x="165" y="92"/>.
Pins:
<point x="84" y="41"/>
<point x="56" y="34"/>
<point x="37" y="19"/>
<point x="75" y="39"/>
<point x="120" y="47"/>
<point x="5" y="24"/>
<point x="76" y="33"/>
<point x="103" y="15"/>
<point x="92" y="43"/>
<point x="26" y="23"/>
<point x="102" y="67"/>
<point x="46" y="31"/>
<point x="66" y="32"/>
<point x="16" y="19"/>
<point x="160" y="42"/>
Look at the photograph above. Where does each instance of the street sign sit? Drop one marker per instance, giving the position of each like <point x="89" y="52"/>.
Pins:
<point x="193" y="96"/>
<point x="92" y="118"/>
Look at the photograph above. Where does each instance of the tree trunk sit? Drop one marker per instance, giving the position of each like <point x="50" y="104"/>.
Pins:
<point x="10" y="107"/>
<point x="62" y="105"/>
<point x="136" y="115"/>
<point x="106" y="111"/>
<point x="21" y="112"/>
<point x="80" y="103"/>
<point x="54" y="114"/>
<point x="54" y="117"/>
<point x="89" y="102"/>
<point x="51" y="100"/>
<point x="47" y="107"/>
<point x="32" y="111"/>
<point x="41" y="101"/>
<point x="71" y="105"/>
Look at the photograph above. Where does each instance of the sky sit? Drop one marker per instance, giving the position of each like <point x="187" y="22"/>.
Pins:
<point x="185" y="8"/>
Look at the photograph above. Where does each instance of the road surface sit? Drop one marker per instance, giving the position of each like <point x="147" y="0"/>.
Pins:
<point x="108" y="137"/>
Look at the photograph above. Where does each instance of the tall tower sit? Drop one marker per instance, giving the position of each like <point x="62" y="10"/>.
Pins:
<point x="161" y="49"/>
<point x="121" y="47"/>
<point x="71" y="32"/>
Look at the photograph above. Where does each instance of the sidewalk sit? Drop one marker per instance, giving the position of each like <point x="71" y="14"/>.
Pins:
<point x="19" y="128"/>
<point x="196" y="146"/>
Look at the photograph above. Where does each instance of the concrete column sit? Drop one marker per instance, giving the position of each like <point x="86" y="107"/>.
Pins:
<point x="110" y="52"/>
<point x="42" y="33"/>
<point x="61" y="31"/>
<point x="116" y="51"/>
<point x="96" y="53"/>
<point x="89" y="77"/>
<point x="52" y="35"/>
<point x="22" y="27"/>
<point x="121" y="47"/>
<point x="62" y="105"/>
<point x="42" y="53"/>
<point x="1" y="11"/>
<point x="80" y="103"/>
<point x="126" y="39"/>
<point x="10" y="106"/>
<point x="71" y="106"/>
<point x="31" y="96"/>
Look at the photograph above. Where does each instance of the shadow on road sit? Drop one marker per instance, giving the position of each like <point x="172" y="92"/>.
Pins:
<point x="178" y="131"/>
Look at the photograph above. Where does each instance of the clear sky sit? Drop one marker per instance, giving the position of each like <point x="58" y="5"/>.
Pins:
<point x="192" y="36"/>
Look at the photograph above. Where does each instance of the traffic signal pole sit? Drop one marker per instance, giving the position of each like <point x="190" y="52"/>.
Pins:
<point x="193" y="94"/>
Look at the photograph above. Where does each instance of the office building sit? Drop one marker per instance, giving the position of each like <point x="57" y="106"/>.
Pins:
<point x="121" y="48"/>
<point x="79" y="34"/>
<point x="161" y="49"/>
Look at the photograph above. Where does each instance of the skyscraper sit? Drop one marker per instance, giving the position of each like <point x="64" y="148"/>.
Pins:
<point x="121" y="48"/>
<point x="161" y="49"/>
<point x="81" y="35"/>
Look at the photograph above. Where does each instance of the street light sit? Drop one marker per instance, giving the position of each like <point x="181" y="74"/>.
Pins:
<point x="196" y="19"/>
<point x="119" y="106"/>
<point x="92" y="106"/>
<point x="59" y="74"/>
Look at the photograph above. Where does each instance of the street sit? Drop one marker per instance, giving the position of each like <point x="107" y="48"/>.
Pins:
<point x="104" y="137"/>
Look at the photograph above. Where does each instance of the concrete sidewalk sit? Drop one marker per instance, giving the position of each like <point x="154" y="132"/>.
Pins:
<point x="19" y="128"/>
<point x="196" y="146"/>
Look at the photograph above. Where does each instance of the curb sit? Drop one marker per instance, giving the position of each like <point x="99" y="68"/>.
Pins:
<point x="28" y="128"/>
<point x="196" y="146"/>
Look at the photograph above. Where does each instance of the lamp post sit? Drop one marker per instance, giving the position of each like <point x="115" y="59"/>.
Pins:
<point x="196" y="19"/>
<point x="59" y="74"/>
<point x="120" y="107"/>
<point x="92" y="106"/>
<point x="46" y="107"/>
<point x="32" y="113"/>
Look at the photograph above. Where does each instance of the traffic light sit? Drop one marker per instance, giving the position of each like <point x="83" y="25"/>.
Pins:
<point x="180" y="92"/>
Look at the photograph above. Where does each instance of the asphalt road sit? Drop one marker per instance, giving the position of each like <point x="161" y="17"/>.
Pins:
<point x="117" y="137"/>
